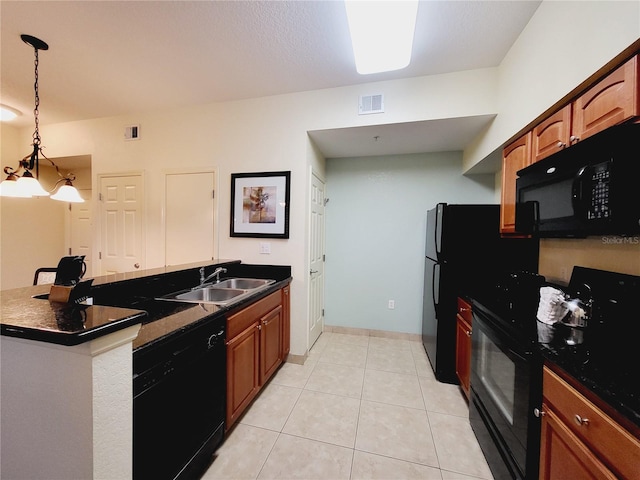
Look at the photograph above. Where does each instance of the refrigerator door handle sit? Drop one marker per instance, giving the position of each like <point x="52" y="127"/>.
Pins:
<point x="435" y="287"/>
<point x="436" y="231"/>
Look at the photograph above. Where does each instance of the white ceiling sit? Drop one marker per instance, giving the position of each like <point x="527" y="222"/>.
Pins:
<point x="109" y="58"/>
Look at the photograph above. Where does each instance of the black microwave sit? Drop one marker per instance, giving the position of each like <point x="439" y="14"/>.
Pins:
<point x="591" y="188"/>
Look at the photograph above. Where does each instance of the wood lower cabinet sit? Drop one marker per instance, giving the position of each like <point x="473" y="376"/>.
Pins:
<point x="243" y="371"/>
<point x="515" y="157"/>
<point x="270" y="328"/>
<point x="463" y="345"/>
<point x="579" y="440"/>
<point x="255" y="350"/>
<point x="286" y="322"/>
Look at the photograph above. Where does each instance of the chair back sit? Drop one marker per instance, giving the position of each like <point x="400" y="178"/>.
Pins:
<point x="44" y="275"/>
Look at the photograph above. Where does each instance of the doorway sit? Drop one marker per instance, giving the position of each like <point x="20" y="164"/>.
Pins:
<point x="80" y="231"/>
<point x="316" y="259"/>
<point x="121" y="223"/>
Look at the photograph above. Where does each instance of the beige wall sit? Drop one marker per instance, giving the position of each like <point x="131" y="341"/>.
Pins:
<point x="564" y="43"/>
<point x="607" y="252"/>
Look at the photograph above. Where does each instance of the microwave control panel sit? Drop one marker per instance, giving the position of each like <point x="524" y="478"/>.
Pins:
<point x="599" y="207"/>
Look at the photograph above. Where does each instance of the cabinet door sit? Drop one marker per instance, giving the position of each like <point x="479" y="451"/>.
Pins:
<point x="563" y="455"/>
<point x="243" y="379"/>
<point x="270" y="343"/>
<point x="551" y="135"/>
<point x="463" y="353"/>
<point x="610" y="102"/>
<point x="286" y="323"/>
<point x="516" y="156"/>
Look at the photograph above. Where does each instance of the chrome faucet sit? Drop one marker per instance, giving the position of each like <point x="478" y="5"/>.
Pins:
<point x="216" y="274"/>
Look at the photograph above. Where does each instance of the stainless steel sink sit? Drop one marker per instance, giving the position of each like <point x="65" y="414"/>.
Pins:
<point x="210" y="295"/>
<point x="225" y="292"/>
<point x="242" y="283"/>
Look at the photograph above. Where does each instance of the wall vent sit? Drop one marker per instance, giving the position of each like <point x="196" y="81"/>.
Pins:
<point x="132" y="132"/>
<point x="371" y="104"/>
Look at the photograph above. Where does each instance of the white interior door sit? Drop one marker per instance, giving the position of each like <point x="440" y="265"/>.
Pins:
<point x="81" y="234"/>
<point x="316" y="261"/>
<point x="189" y="217"/>
<point x="121" y="222"/>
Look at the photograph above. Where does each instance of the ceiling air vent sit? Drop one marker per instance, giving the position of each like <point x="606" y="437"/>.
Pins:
<point x="132" y="132"/>
<point x="371" y="104"/>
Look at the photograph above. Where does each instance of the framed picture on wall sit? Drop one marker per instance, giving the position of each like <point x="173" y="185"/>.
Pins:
<point x="260" y="204"/>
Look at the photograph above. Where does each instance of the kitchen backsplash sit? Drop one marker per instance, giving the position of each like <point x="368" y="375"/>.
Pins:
<point x="606" y="252"/>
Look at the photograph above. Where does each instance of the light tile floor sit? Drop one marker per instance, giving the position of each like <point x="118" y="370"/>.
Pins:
<point x="360" y="408"/>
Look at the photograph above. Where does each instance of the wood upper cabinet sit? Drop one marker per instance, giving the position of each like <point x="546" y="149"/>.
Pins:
<point x="579" y="440"/>
<point x="515" y="157"/>
<point x="551" y="135"/>
<point x="609" y="102"/>
<point x="255" y="350"/>
<point x="463" y="345"/>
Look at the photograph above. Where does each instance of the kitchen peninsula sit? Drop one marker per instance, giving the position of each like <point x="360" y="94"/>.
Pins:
<point x="67" y="394"/>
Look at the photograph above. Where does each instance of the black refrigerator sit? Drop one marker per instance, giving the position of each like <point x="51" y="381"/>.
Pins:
<point x="464" y="254"/>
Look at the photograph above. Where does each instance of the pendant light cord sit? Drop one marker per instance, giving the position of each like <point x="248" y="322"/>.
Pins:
<point x="36" y="110"/>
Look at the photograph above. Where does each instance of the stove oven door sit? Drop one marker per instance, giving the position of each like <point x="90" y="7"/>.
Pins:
<point x="505" y="388"/>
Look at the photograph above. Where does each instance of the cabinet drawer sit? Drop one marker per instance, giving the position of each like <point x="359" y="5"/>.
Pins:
<point x="464" y="310"/>
<point x="616" y="447"/>
<point x="238" y="322"/>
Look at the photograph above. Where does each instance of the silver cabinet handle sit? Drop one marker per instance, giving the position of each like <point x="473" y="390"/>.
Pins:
<point x="538" y="413"/>
<point x="574" y="139"/>
<point x="581" y="421"/>
<point x="561" y="144"/>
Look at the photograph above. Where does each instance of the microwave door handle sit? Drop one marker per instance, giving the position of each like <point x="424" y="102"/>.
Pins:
<point x="536" y="216"/>
<point x="577" y="193"/>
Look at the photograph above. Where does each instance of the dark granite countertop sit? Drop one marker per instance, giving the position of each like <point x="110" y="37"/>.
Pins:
<point x="604" y="364"/>
<point x="59" y="323"/>
<point x="122" y="300"/>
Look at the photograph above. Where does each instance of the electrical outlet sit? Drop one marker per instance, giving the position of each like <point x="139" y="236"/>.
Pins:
<point x="392" y="304"/>
<point x="265" y="247"/>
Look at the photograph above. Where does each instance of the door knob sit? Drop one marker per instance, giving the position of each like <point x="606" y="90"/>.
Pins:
<point x="311" y="272"/>
<point x="137" y="265"/>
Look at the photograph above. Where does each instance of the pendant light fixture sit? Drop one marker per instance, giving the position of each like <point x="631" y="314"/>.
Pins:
<point x="26" y="185"/>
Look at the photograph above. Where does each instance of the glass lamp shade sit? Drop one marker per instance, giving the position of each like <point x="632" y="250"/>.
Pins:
<point x="30" y="186"/>
<point x="68" y="193"/>
<point x="9" y="188"/>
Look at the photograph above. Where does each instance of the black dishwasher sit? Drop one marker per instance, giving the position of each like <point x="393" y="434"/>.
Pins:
<point x="179" y="402"/>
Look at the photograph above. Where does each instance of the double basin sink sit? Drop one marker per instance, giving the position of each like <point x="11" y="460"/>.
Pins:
<point x="225" y="292"/>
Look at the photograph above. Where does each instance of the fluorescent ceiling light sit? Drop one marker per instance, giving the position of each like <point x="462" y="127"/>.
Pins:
<point x="7" y="113"/>
<point x="381" y="33"/>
